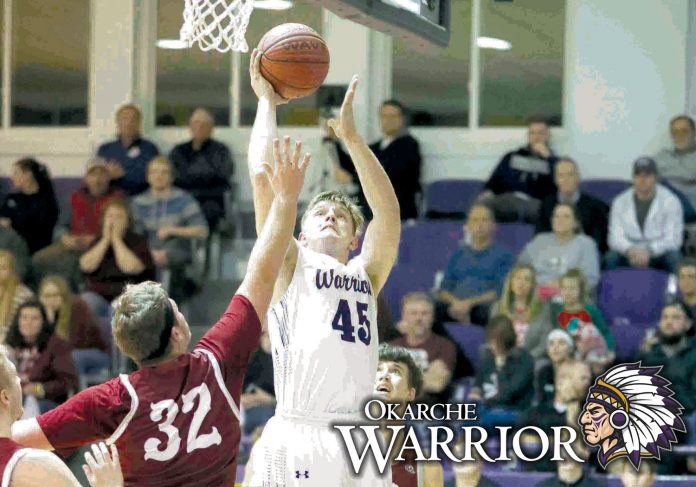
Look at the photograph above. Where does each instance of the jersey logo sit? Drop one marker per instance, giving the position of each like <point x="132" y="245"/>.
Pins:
<point x="409" y="469"/>
<point x="334" y="280"/>
<point x="299" y="474"/>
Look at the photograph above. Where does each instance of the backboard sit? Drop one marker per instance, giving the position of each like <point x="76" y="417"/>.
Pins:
<point x="419" y="22"/>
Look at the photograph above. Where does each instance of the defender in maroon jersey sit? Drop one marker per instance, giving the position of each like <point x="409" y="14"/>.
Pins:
<point x="24" y="467"/>
<point x="399" y="379"/>
<point x="175" y="421"/>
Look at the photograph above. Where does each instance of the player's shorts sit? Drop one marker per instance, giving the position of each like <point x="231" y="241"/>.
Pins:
<point x="300" y="451"/>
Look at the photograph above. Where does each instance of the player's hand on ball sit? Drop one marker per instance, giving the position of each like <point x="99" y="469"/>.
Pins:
<point x="288" y="177"/>
<point x="344" y="126"/>
<point x="103" y="469"/>
<point x="261" y="86"/>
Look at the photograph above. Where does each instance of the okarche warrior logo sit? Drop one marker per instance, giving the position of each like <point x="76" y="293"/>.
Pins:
<point x="629" y="411"/>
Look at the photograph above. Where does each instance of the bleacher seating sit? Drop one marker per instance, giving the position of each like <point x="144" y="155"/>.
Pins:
<point x="635" y="295"/>
<point x="514" y="236"/>
<point x="451" y="198"/>
<point x="403" y="280"/>
<point x="428" y="245"/>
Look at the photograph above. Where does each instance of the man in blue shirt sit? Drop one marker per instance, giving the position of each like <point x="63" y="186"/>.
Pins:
<point x="475" y="273"/>
<point x="128" y="155"/>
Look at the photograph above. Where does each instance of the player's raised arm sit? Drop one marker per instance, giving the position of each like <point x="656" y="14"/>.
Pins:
<point x="264" y="131"/>
<point x="267" y="256"/>
<point x="382" y="235"/>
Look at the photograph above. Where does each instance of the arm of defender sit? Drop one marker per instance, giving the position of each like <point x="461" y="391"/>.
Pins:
<point x="270" y="248"/>
<point x="381" y="241"/>
<point x="41" y="468"/>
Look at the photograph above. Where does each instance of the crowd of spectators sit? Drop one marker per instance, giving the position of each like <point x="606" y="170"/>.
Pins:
<point x="133" y="219"/>
<point x="545" y="338"/>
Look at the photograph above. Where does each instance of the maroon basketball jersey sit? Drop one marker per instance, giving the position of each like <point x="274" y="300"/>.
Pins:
<point x="405" y="473"/>
<point x="10" y="453"/>
<point x="175" y="423"/>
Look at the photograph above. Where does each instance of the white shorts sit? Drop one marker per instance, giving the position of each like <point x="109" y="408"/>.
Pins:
<point x="301" y="452"/>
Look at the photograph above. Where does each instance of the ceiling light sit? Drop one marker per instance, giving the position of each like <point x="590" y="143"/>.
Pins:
<point x="273" y="4"/>
<point x="493" y="43"/>
<point x="172" y="44"/>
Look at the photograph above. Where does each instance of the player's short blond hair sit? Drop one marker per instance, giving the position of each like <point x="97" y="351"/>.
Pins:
<point x="4" y="369"/>
<point x="342" y="199"/>
<point x="139" y="318"/>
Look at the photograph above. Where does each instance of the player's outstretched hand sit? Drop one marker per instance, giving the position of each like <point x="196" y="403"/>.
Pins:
<point x="261" y="86"/>
<point x="103" y="469"/>
<point x="287" y="178"/>
<point x="344" y="126"/>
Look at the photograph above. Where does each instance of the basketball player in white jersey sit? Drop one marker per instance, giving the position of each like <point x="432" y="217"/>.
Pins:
<point x="323" y="319"/>
<point x="28" y="467"/>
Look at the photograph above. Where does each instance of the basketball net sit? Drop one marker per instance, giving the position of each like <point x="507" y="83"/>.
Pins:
<point x="216" y="24"/>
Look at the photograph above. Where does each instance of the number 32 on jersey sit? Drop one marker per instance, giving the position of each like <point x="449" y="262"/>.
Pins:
<point x="343" y="322"/>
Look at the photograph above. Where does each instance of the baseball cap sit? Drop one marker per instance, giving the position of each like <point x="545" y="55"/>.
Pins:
<point x="644" y="164"/>
<point x="95" y="163"/>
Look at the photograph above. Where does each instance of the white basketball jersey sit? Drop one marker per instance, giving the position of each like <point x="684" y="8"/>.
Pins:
<point x="324" y="337"/>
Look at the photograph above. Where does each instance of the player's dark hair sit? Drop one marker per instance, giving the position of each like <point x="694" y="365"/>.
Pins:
<point x="15" y="339"/>
<point x="141" y="324"/>
<point x="401" y="355"/>
<point x="501" y="332"/>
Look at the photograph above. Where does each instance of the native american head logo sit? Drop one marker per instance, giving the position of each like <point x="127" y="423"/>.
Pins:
<point x="630" y="411"/>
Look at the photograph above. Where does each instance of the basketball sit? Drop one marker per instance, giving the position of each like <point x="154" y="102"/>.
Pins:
<point x="294" y="60"/>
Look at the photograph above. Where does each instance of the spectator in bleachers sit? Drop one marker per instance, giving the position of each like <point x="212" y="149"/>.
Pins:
<point x="592" y="213"/>
<point x="570" y="382"/>
<point x="505" y="377"/>
<point x="469" y="474"/>
<point x="686" y="283"/>
<point x="643" y="477"/>
<point x="31" y="210"/>
<point x="12" y="292"/>
<point x="571" y="473"/>
<point x="127" y="156"/>
<point x="72" y="320"/>
<point x="117" y="256"/>
<point x="436" y="355"/>
<point x="523" y="177"/>
<point x="675" y="352"/>
<point x="646" y="223"/>
<point x="553" y="253"/>
<point x="475" y="273"/>
<point x="584" y="321"/>
<point x="530" y="316"/>
<point x="203" y="167"/>
<point x="86" y="203"/>
<point x="560" y="348"/>
<point x="13" y="243"/>
<point x="44" y="363"/>
<point x="399" y="154"/>
<point x="169" y="217"/>
<point x="677" y="165"/>
<point x="258" y="396"/>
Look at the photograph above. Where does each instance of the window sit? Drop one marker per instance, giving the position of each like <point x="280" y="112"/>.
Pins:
<point x="433" y="84"/>
<point x="514" y="81"/>
<point x="304" y="111"/>
<point x="50" y="59"/>
<point x="527" y="79"/>
<point x="188" y="78"/>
